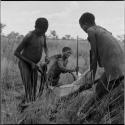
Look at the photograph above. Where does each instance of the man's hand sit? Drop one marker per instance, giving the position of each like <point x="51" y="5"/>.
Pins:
<point x="77" y="69"/>
<point x="88" y="77"/>
<point x="47" y="59"/>
<point x="34" y="66"/>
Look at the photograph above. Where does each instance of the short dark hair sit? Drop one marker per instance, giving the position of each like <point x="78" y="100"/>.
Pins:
<point x="88" y="18"/>
<point x="65" y="49"/>
<point x="42" y="23"/>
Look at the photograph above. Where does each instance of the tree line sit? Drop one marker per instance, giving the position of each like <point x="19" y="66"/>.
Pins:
<point x="52" y="35"/>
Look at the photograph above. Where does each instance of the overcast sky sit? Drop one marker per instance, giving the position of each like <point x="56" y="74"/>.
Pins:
<point x="63" y="16"/>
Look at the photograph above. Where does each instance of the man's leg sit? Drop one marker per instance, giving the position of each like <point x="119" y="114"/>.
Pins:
<point x="35" y="76"/>
<point x="104" y="86"/>
<point x="101" y="87"/>
<point x="26" y="75"/>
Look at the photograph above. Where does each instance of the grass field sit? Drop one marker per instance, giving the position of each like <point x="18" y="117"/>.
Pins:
<point x="11" y="83"/>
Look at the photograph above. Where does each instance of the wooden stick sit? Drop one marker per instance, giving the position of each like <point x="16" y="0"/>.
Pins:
<point x="77" y="57"/>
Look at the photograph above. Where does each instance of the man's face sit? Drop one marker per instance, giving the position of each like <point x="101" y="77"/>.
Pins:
<point x="84" y="27"/>
<point x="39" y="31"/>
<point x="67" y="54"/>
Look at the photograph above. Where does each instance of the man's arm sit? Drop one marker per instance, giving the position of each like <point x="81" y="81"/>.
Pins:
<point x="93" y="52"/>
<point x="63" y="68"/>
<point x="46" y="48"/>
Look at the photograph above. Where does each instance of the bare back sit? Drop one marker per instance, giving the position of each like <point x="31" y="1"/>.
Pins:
<point x="108" y="51"/>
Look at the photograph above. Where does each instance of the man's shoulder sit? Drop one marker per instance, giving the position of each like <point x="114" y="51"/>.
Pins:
<point x="91" y="29"/>
<point x="55" y="58"/>
<point x="29" y="34"/>
<point x="95" y="28"/>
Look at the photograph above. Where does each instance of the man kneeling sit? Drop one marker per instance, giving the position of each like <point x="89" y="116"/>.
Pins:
<point x="59" y="66"/>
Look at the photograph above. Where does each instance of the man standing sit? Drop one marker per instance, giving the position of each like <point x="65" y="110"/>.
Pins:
<point x="29" y="52"/>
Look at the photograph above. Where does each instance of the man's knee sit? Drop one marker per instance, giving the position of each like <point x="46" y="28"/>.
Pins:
<point x="101" y="87"/>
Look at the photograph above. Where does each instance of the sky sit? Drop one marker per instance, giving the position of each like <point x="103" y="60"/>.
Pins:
<point x="63" y="16"/>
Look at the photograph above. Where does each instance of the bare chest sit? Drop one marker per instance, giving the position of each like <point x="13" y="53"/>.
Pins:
<point x="37" y="42"/>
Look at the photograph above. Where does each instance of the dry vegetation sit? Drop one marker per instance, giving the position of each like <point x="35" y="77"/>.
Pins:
<point x="49" y="109"/>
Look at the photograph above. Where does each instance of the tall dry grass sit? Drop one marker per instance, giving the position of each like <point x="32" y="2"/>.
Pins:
<point x="10" y="83"/>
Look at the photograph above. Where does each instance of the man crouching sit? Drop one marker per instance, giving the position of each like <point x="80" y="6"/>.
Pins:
<point x="59" y="66"/>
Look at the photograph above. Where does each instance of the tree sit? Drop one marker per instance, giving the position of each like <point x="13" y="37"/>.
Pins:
<point x="1" y="27"/>
<point x="66" y="37"/>
<point x="13" y="35"/>
<point x="54" y="34"/>
<point x="63" y="38"/>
